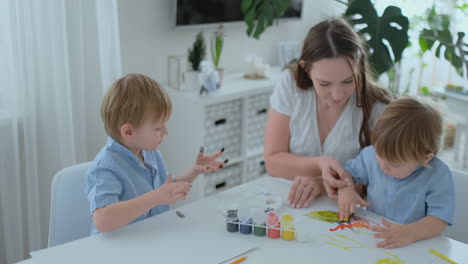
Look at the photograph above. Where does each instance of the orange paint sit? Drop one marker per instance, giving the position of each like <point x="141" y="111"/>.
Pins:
<point x="356" y="222"/>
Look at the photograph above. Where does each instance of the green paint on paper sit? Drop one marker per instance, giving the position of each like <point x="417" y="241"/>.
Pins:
<point x="326" y="216"/>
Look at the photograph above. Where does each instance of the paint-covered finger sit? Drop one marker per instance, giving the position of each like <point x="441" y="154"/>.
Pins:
<point x="346" y="214"/>
<point x="215" y="155"/>
<point x="341" y="211"/>
<point x="200" y="152"/>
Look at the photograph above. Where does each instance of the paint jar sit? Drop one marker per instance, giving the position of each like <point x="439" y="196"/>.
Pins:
<point x="259" y="220"/>
<point x="232" y="221"/>
<point x="287" y="222"/>
<point x="274" y="225"/>
<point x="245" y="220"/>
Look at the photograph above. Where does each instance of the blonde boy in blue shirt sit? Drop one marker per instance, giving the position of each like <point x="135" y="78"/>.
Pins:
<point x="127" y="181"/>
<point x="405" y="181"/>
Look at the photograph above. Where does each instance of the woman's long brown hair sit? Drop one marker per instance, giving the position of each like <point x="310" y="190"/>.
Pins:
<point x="334" y="38"/>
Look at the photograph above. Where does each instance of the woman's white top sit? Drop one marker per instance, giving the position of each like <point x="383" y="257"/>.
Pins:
<point x="342" y="142"/>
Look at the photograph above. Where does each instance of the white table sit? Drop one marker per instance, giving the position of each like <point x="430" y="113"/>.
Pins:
<point x="167" y="238"/>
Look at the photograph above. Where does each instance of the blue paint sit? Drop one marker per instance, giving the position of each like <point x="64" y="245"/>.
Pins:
<point x="246" y="227"/>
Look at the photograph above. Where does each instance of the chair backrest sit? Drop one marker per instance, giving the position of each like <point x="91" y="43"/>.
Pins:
<point x="459" y="231"/>
<point x="69" y="210"/>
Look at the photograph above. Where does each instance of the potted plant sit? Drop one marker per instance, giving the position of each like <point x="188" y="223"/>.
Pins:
<point x="195" y="55"/>
<point x="216" y="48"/>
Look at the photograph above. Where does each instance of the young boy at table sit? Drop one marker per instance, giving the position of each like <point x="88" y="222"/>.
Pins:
<point x="128" y="181"/>
<point x="406" y="182"/>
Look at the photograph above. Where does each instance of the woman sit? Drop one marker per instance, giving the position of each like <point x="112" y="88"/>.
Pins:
<point x="322" y="112"/>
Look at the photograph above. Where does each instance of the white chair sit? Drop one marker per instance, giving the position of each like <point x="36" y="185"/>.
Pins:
<point x="461" y="145"/>
<point x="459" y="231"/>
<point x="69" y="210"/>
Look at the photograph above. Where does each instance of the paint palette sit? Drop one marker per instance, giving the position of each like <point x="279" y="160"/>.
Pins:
<point x="255" y="221"/>
<point x="251" y="220"/>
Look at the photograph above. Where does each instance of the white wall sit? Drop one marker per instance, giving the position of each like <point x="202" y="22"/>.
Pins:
<point x="148" y="36"/>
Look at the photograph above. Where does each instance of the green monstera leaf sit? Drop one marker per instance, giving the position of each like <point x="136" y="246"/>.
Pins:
<point x="260" y="14"/>
<point x="385" y="35"/>
<point x="439" y="34"/>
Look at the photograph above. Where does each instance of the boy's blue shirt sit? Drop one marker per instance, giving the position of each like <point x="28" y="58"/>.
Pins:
<point x="427" y="191"/>
<point x="117" y="175"/>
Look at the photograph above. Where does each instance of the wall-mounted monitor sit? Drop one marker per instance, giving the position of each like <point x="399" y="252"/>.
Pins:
<point x="199" y="12"/>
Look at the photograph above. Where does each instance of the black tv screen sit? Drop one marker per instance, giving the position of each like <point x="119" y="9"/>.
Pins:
<point x="196" y="12"/>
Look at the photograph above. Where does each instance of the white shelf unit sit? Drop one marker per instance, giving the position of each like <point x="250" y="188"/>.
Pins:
<point x="233" y="117"/>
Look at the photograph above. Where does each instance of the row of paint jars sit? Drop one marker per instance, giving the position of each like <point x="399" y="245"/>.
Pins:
<point x="261" y="223"/>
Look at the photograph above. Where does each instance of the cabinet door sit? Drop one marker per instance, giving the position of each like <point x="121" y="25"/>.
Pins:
<point x="257" y="110"/>
<point x="223" y="128"/>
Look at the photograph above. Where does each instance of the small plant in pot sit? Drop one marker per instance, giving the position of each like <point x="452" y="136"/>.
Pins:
<point x="216" y="48"/>
<point x="195" y="56"/>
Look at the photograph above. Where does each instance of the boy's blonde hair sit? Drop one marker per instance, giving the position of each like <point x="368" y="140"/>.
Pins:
<point x="134" y="99"/>
<point x="408" y="130"/>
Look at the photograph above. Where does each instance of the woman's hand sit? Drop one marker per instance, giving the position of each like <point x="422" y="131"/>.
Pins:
<point x="333" y="176"/>
<point x="303" y="191"/>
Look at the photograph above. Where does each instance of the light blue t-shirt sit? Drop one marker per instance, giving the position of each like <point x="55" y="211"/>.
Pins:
<point x="427" y="191"/>
<point x="117" y="175"/>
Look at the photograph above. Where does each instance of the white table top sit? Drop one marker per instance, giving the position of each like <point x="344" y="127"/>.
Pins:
<point x="201" y="237"/>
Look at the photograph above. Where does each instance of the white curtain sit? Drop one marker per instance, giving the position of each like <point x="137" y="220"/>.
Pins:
<point x="57" y="57"/>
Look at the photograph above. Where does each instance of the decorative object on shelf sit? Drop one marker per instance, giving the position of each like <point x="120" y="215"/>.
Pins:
<point x="288" y="51"/>
<point x="256" y="69"/>
<point x="216" y="48"/>
<point x="177" y="65"/>
<point x="209" y="77"/>
<point x="195" y="56"/>
<point x="260" y="14"/>
<point x="456" y="89"/>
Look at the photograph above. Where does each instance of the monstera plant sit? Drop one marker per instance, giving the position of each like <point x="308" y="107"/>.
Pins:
<point x="437" y="34"/>
<point x="385" y="35"/>
<point x="260" y="14"/>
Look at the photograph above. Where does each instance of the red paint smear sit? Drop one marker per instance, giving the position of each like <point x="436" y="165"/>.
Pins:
<point x="353" y="223"/>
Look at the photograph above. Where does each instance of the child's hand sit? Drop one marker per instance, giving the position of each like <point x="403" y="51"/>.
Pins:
<point x="394" y="235"/>
<point x="207" y="163"/>
<point x="170" y="191"/>
<point x="347" y="200"/>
